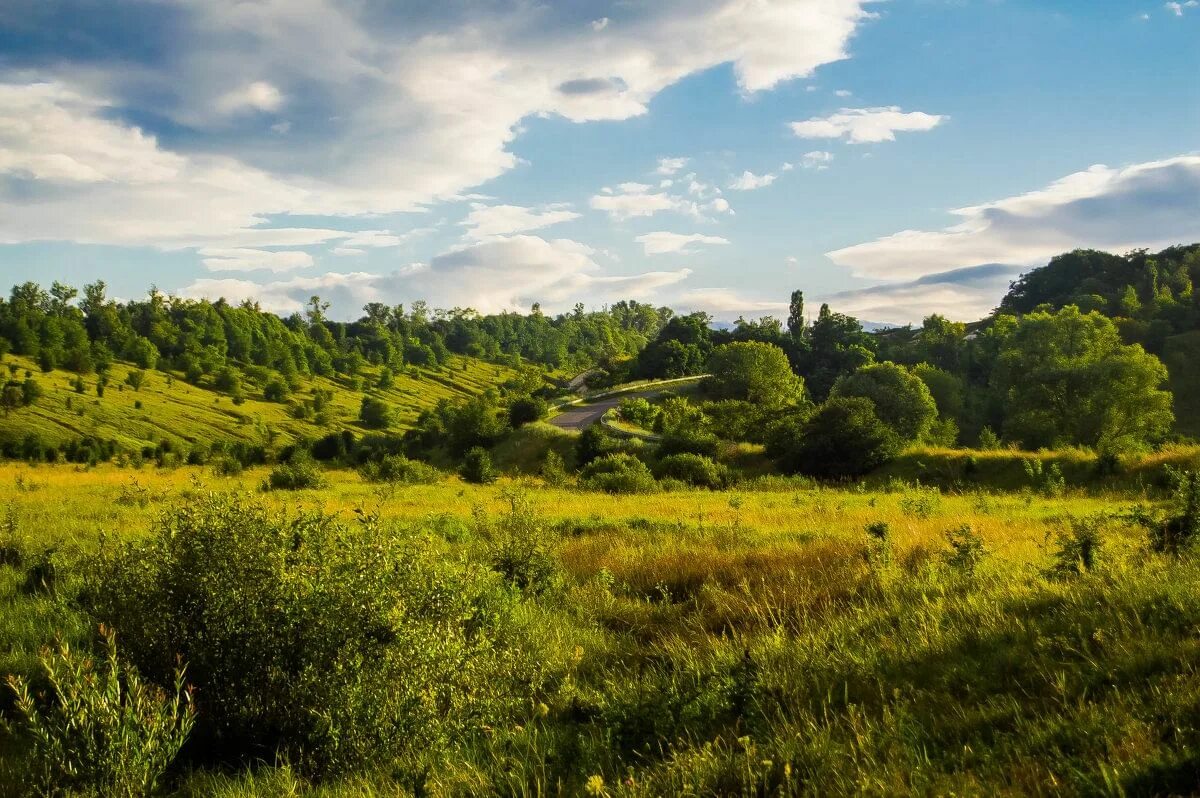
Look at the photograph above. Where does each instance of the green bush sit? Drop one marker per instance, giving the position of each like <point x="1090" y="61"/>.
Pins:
<point x="103" y="730"/>
<point x="335" y="647"/>
<point x="375" y="413"/>
<point x="300" y="473"/>
<point x="477" y="467"/>
<point x="843" y="438"/>
<point x="400" y="470"/>
<point x="520" y="547"/>
<point x="276" y="390"/>
<point x="637" y="410"/>
<point x="525" y="410"/>
<point x="618" y="473"/>
<point x="684" y="442"/>
<point x="693" y="469"/>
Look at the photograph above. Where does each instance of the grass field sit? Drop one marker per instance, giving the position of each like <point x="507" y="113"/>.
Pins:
<point x="757" y="642"/>
<point x="174" y="410"/>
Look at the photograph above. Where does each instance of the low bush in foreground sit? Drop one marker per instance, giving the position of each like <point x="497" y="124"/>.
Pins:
<point x="618" y="473"/>
<point x="336" y="647"/>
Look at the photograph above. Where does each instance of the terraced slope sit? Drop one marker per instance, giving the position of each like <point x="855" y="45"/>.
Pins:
<point x="171" y="409"/>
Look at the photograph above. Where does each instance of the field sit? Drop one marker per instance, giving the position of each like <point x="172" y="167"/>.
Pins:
<point x="748" y="642"/>
<point x="168" y="408"/>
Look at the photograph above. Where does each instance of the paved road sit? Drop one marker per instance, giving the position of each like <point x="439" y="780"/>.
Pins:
<point x="578" y="417"/>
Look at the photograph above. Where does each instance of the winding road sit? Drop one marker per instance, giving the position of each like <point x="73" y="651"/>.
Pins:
<point x="588" y="412"/>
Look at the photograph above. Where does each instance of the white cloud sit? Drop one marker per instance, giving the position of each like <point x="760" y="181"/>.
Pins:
<point x="843" y="93"/>
<point x="669" y="166"/>
<point x="719" y="205"/>
<point x="256" y="96"/>
<point x="1177" y="8"/>
<point x="219" y="259"/>
<point x="1153" y="205"/>
<point x="663" y="243"/>
<point x="633" y="200"/>
<point x="962" y="295"/>
<point x="817" y="159"/>
<point x="403" y="109"/>
<point x="600" y="24"/>
<point x="748" y="181"/>
<point x="727" y="302"/>
<point x="866" y="125"/>
<point x="502" y="273"/>
<point x="485" y="221"/>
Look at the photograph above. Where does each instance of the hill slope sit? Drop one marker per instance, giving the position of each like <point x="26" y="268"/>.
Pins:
<point x="171" y="409"/>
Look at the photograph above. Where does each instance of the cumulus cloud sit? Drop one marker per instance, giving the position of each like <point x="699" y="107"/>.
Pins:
<point x="1177" y="8"/>
<point x="664" y="243"/>
<point x="485" y="221"/>
<point x="866" y="125"/>
<point x="748" y="181"/>
<point x="1153" y="205"/>
<point x="669" y="166"/>
<point x="633" y="200"/>
<point x="480" y="275"/>
<point x="401" y="107"/>
<point x="817" y="159"/>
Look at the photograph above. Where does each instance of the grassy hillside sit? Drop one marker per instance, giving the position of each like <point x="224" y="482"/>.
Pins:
<point x="174" y="410"/>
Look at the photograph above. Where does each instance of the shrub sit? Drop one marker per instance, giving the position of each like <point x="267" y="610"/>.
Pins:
<point x="637" y="410"/>
<point x="554" y="471"/>
<point x="338" y="648"/>
<point x="104" y="730"/>
<point x="693" y="469"/>
<point x="526" y="409"/>
<point x="879" y="543"/>
<point x="618" y="473"/>
<point x="594" y="442"/>
<point x="519" y="545"/>
<point x="375" y="413"/>
<point x="966" y="549"/>
<point x="1079" y="546"/>
<point x="1047" y="481"/>
<point x="684" y="442"/>
<point x="397" y="469"/>
<point x="902" y="401"/>
<point x="843" y="438"/>
<point x="477" y="467"/>
<point x="1177" y="530"/>
<point x="299" y="473"/>
<point x="276" y="390"/>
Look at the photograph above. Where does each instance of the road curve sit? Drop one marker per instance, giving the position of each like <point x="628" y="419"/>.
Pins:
<point x="582" y="416"/>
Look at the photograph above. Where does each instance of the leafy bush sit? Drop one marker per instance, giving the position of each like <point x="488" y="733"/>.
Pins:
<point x="103" y="729"/>
<point x="526" y="409"/>
<point x="519" y="545"/>
<point x="843" y="438"/>
<point x="276" y="390"/>
<point x="637" y="410"/>
<point x="618" y="473"/>
<point x="693" y="469"/>
<point x="400" y="470"/>
<point x="684" y="442"/>
<point x="966" y="549"/>
<point x="595" y="442"/>
<point x="375" y="413"/>
<point x="554" y="471"/>
<point x="335" y="647"/>
<point x="300" y="473"/>
<point x="1177" y="530"/>
<point x="477" y="467"/>
<point x="1047" y="481"/>
<point x="1079" y="546"/>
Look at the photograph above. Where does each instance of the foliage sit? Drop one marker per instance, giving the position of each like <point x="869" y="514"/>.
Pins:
<point x="1079" y="546"/>
<point x="754" y="372"/>
<point x="901" y="399"/>
<point x="1046" y="480"/>
<point x="335" y="647"/>
<point x="688" y="442"/>
<point x="519" y="545"/>
<point x="842" y="438"/>
<point x="638" y="410"/>
<point x="299" y="473"/>
<point x="397" y="469"/>
<point x="525" y="410"/>
<point x="693" y="469"/>
<point x="553" y="470"/>
<point x="477" y="467"/>
<point x="1176" y="530"/>
<point x="1067" y="379"/>
<point x="594" y="442"/>
<point x="375" y="413"/>
<point x="966" y="549"/>
<point x="102" y="728"/>
<point x="617" y="473"/>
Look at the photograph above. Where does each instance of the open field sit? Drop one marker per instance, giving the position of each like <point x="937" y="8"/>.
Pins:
<point x="751" y="642"/>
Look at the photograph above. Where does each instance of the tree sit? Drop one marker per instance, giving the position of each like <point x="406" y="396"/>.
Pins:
<point x="901" y="399"/>
<point x="753" y="371"/>
<point x="526" y="409"/>
<point x="276" y="390"/>
<point x="843" y="438"/>
<point x="477" y="467"/>
<point x="11" y="398"/>
<point x="1067" y="379"/>
<point x="375" y="413"/>
<point x="795" y="321"/>
<point x="135" y="379"/>
<point x="837" y="345"/>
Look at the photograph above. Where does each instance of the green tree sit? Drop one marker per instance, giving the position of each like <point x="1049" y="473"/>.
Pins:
<point x="795" y="321"/>
<point x="135" y="379"/>
<point x="842" y="438"/>
<point x="755" y="372"/>
<point x="477" y="467"/>
<point x="1067" y="379"/>
<point x="375" y="413"/>
<point x="901" y="399"/>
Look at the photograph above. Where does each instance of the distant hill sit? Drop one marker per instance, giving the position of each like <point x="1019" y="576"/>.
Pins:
<point x="184" y="414"/>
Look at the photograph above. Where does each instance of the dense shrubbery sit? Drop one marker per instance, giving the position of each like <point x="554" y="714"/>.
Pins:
<point x="617" y="473"/>
<point x="335" y="647"/>
<point x="842" y="438"/>
<point x="299" y="473"/>
<point x="694" y="470"/>
<point x="398" y="469"/>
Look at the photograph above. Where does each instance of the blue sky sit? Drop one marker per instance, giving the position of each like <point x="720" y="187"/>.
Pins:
<point x="893" y="158"/>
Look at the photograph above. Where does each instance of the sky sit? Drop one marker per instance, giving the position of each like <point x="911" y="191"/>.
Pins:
<point x="893" y="159"/>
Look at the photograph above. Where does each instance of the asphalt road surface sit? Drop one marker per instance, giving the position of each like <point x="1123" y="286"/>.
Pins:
<point x="578" y="417"/>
